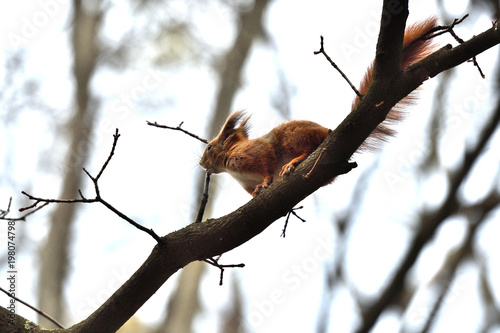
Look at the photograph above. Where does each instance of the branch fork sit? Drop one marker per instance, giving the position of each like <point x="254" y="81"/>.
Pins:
<point x="98" y="197"/>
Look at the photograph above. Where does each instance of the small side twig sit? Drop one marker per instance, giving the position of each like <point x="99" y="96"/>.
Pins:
<point x="461" y="41"/>
<point x="322" y="51"/>
<point x="443" y="29"/>
<point x="112" y="152"/>
<point x="4" y="213"/>
<point x="215" y="262"/>
<point x="204" y="199"/>
<point x="97" y="198"/>
<point x="178" y="128"/>
<point x="288" y="217"/>
<point x="316" y="162"/>
<point x="40" y="312"/>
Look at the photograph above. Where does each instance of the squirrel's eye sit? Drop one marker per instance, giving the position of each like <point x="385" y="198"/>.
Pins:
<point x="209" y="147"/>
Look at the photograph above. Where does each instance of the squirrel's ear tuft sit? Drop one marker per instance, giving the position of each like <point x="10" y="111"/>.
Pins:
<point x="231" y="122"/>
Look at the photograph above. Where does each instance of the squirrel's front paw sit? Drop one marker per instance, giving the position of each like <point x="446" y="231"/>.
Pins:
<point x="286" y="169"/>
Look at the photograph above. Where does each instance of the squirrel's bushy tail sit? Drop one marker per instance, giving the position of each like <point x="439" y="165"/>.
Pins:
<point x="413" y="51"/>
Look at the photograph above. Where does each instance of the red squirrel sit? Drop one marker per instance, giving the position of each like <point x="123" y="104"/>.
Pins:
<point x="254" y="163"/>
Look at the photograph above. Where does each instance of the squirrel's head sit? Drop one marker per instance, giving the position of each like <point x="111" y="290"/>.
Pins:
<point x="216" y="152"/>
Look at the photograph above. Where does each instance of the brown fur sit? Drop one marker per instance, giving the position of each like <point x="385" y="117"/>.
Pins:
<point x="255" y="163"/>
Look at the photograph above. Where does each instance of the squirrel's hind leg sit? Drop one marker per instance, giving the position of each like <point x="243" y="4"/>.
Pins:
<point x="268" y="180"/>
<point x="290" y="166"/>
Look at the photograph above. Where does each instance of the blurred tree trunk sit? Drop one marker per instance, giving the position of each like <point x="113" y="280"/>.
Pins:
<point x="54" y="254"/>
<point x="233" y="318"/>
<point x="184" y="303"/>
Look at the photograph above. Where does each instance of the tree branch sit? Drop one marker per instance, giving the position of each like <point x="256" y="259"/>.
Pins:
<point x="4" y="213"/>
<point x="389" y="51"/>
<point x="97" y="198"/>
<point x="178" y="128"/>
<point x="334" y="65"/>
<point x="204" y="199"/>
<point x="198" y="241"/>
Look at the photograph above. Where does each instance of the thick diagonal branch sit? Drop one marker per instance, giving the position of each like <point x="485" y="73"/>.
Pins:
<point x="203" y="240"/>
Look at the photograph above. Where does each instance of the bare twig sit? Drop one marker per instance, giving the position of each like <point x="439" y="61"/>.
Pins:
<point x="442" y="29"/>
<point x="115" y="140"/>
<point x="97" y="198"/>
<point x="322" y="51"/>
<point x="288" y="217"/>
<point x="204" y="199"/>
<point x="321" y="153"/>
<point x="38" y="200"/>
<point x="461" y="41"/>
<point x="215" y="263"/>
<point x="178" y="128"/>
<point x="40" y="312"/>
<point x="4" y="213"/>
